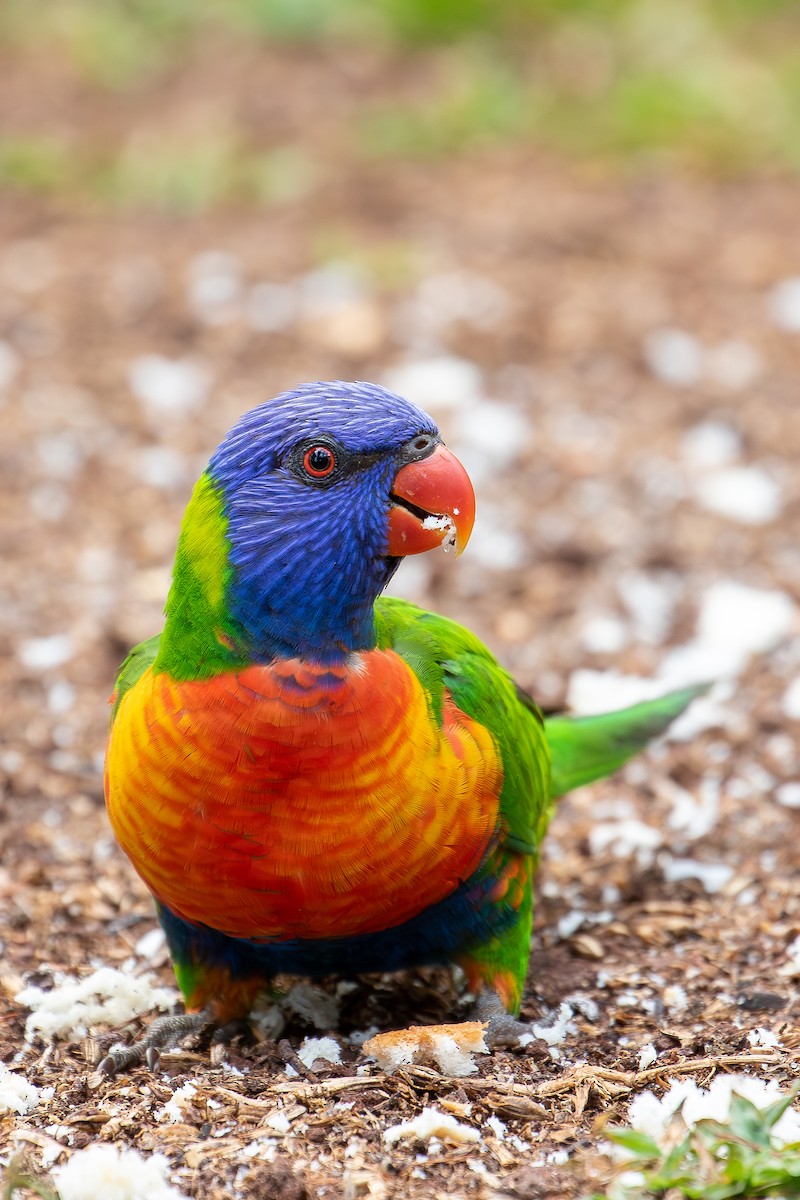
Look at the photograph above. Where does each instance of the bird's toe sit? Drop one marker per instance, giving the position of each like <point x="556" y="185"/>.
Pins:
<point x="502" y="1029"/>
<point x="164" y="1033"/>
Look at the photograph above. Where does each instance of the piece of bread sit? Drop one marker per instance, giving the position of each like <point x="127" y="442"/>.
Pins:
<point x="449" y="1047"/>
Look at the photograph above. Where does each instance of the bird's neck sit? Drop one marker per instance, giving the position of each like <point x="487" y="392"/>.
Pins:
<point x="220" y="618"/>
<point x="199" y="638"/>
<point x="285" y="616"/>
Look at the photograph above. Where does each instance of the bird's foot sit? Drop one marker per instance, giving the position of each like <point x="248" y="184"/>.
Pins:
<point x="502" y="1029"/>
<point x="163" y="1034"/>
<point x="238" y="1027"/>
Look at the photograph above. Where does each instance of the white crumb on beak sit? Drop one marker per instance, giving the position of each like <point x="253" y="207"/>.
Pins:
<point x="442" y="522"/>
<point x="434" y="522"/>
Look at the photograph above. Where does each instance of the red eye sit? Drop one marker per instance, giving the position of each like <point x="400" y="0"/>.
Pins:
<point x="319" y="461"/>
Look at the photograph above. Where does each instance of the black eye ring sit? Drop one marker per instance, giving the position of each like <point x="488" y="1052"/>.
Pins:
<point x="319" y="462"/>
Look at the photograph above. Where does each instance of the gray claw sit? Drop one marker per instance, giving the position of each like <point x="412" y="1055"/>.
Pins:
<point x="108" y="1065"/>
<point x="502" y="1029"/>
<point x="163" y="1034"/>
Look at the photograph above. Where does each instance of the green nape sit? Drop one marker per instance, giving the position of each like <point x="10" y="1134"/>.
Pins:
<point x="200" y="637"/>
<point x="588" y="748"/>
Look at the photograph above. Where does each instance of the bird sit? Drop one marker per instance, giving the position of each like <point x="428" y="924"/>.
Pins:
<point x="313" y="778"/>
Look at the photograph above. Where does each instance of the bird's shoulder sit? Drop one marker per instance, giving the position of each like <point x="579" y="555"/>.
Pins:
<point x="444" y="654"/>
<point x="136" y="662"/>
<point x="448" y="658"/>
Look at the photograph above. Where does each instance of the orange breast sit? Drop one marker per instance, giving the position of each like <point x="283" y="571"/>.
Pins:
<point x="294" y="801"/>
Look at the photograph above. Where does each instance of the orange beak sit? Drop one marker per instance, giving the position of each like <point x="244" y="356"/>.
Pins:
<point x="433" y="502"/>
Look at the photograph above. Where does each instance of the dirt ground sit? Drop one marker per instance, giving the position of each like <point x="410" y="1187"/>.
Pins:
<point x="589" y="484"/>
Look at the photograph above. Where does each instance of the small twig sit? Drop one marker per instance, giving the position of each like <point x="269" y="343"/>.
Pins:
<point x="325" y="1087"/>
<point x="247" y="1101"/>
<point x="633" y="1079"/>
<point x="551" y="1087"/>
<point x="290" y="1056"/>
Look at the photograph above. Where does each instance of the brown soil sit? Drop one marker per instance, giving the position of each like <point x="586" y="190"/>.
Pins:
<point x="590" y="267"/>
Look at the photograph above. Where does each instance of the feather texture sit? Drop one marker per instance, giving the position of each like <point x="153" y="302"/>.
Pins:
<point x="299" y="801"/>
<point x="311" y="778"/>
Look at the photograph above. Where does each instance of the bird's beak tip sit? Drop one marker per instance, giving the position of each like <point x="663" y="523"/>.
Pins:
<point x="439" y="505"/>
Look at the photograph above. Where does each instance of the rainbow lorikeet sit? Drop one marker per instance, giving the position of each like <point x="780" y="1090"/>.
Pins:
<point x="314" y="779"/>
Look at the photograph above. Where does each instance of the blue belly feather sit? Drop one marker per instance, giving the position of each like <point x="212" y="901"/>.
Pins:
<point x="437" y="935"/>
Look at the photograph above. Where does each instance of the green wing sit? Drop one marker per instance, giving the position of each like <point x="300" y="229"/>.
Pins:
<point x="541" y="759"/>
<point x="139" y="659"/>
<point x="443" y="654"/>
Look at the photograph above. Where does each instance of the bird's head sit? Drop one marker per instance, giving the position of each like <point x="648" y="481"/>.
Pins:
<point x="316" y="496"/>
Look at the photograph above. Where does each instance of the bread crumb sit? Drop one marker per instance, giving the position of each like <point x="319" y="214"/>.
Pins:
<point x="432" y="1124"/>
<point x="107" y="1173"/>
<point x="74" y="1006"/>
<point x="319" y="1049"/>
<point x="449" y="1047"/>
<point x="17" y="1094"/>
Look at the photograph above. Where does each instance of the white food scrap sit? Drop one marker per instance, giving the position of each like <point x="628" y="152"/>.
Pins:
<point x="746" y="494"/>
<point x="554" y="1030"/>
<point x="17" y="1095"/>
<point x="791" y="700"/>
<point x="168" y="387"/>
<point x="278" y="1121"/>
<point x="432" y="1124"/>
<point x="674" y="356"/>
<point x="324" y="1049"/>
<point x="653" y="1115"/>
<point x="764" y="1038"/>
<point x="173" y="1109"/>
<point x="74" y="1006"/>
<point x="312" y="1004"/>
<point x="647" y="1056"/>
<point x="103" y="1172"/>
<point x="450" y="1047"/>
<point x="713" y="876"/>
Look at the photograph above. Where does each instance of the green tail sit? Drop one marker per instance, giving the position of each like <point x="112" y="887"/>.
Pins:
<point x="587" y="748"/>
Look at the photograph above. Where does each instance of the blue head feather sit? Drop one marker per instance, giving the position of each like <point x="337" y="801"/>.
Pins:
<point x="308" y="561"/>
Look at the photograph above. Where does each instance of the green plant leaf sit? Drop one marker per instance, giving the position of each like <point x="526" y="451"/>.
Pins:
<point x="18" y="1177"/>
<point x="748" y="1122"/>
<point x="773" y="1113"/>
<point x="638" y="1143"/>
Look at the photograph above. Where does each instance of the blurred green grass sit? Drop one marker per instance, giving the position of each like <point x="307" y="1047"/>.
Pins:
<point x="710" y="84"/>
<point x="161" y="172"/>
